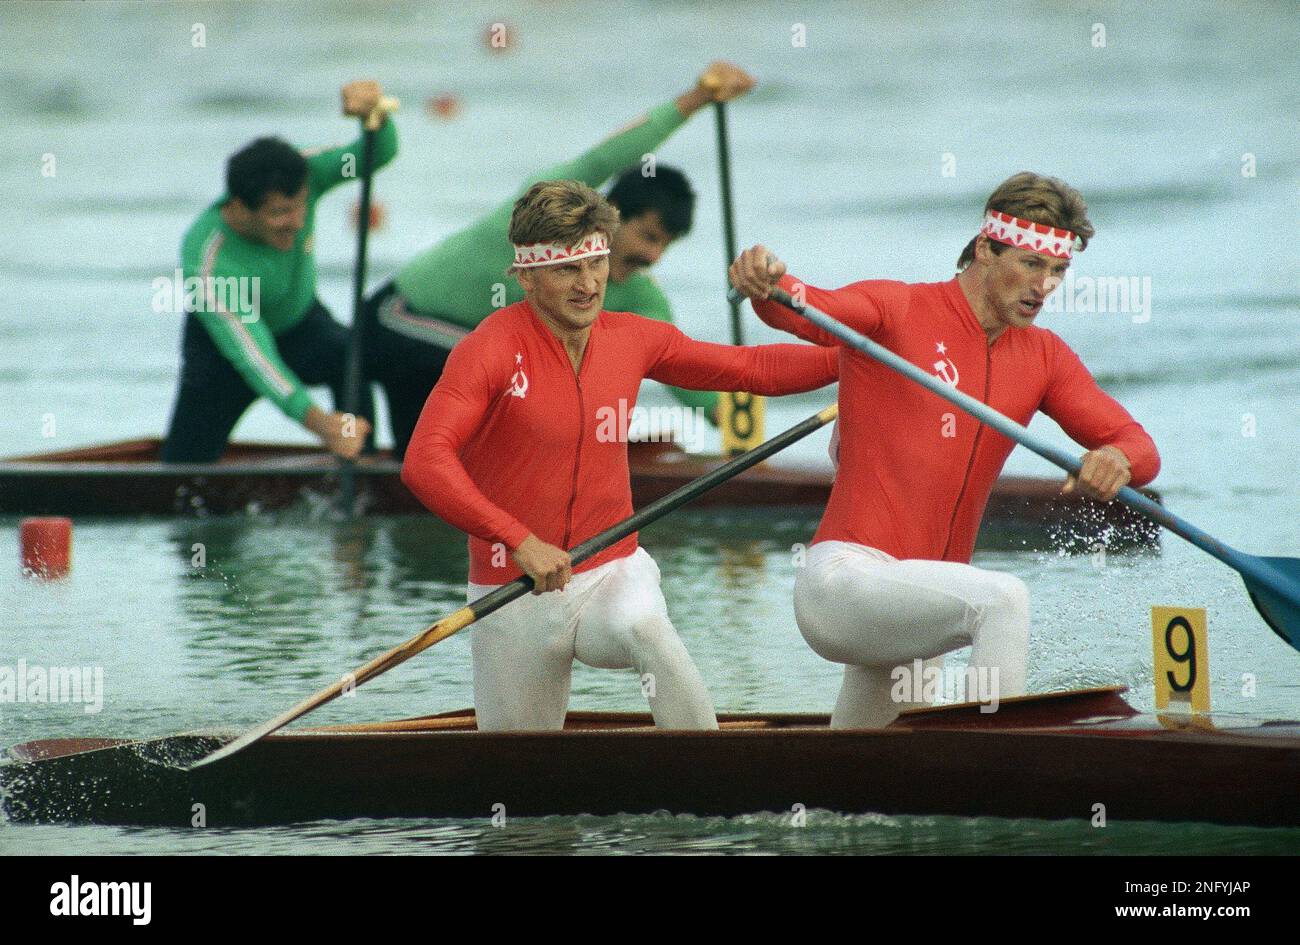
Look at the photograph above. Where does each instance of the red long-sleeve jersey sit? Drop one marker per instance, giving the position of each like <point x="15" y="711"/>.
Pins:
<point x="512" y="441"/>
<point x="915" y="472"/>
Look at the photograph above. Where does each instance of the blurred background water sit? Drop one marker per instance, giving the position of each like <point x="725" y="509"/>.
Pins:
<point x="867" y="152"/>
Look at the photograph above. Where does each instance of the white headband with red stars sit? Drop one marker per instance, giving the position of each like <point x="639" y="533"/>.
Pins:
<point x="548" y="254"/>
<point x="1025" y="234"/>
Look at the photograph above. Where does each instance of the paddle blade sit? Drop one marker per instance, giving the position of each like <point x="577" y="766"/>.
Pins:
<point x="1277" y="597"/>
<point x="236" y="745"/>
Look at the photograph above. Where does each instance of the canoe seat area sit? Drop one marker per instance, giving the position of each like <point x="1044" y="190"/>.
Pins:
<point x="462" y="720"/>
<point x="1040" y="710"/>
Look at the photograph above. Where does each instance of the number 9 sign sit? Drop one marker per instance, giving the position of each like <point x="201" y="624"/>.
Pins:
<point x="1182" y="660"/>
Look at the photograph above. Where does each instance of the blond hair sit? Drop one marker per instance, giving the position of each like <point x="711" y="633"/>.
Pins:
<point x="560" y="211"/>
<point x="1039" y="199"/>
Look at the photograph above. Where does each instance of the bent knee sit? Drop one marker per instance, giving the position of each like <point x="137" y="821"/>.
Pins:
<point x="653" y="633"/>
<point x="1011" y="595"/>
<point x="1008" y="607"/>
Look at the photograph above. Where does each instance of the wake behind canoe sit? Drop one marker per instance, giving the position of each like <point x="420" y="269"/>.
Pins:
<point x="1051" y="756"/>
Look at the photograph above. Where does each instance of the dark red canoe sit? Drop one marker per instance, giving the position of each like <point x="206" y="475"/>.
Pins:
<point x="126" y="478"/>
<point x="1053" y="756"/>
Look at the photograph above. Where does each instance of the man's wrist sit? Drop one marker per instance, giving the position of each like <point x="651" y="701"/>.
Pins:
<point x="315" y="420"/>
<point x="514" y="540"/>
<point x="688" y="103"/>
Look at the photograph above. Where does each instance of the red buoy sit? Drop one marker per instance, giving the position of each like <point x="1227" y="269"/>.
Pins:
<point x="444" y="106"/>
<point x="46" y="545"/>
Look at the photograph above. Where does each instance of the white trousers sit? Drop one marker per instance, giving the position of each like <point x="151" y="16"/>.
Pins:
<point x="611" y="617"/>
<point x="866" y="609"/>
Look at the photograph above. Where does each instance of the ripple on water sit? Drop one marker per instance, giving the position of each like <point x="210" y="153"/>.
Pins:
<point x="811" y="832"/>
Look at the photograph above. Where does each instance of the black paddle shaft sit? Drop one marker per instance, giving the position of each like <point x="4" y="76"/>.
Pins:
<point x="352" y="376"/>
<point x="352" y="390"/>
<point x="728" y="213"/>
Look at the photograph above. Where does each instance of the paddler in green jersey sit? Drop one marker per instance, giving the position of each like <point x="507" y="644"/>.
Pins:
<point x="253" y="325"/>
<point x="412" y="323"/>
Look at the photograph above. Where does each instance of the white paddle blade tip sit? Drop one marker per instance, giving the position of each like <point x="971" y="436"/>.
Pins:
<point x="230" y="748"/>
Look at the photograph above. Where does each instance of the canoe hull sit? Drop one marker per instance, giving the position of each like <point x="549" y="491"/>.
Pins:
<point x="127" y="479"/>
<point x="1133" y="766"/>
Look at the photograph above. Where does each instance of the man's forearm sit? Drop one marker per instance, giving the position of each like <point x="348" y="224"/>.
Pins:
<point x="771" y="370"/>
<point x="794" y="369"/>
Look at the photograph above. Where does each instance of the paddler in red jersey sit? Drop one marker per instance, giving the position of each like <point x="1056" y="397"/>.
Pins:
<point x="887" y="581"/>
<point x="518" y="446"/>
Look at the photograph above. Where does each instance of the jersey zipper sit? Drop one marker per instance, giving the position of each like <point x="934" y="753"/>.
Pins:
<point x="975" y="445"/>
<point x="577" y="458"/>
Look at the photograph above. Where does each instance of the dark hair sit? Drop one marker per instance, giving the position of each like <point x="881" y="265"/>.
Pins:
<point x="1040" y="199"/>
<point x="266" y="165"/>
<point x="666" y="190"/>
